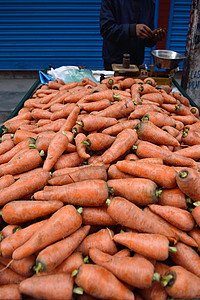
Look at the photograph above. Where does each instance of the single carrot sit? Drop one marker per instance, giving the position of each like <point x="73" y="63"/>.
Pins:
<point x="56" y="148"/>
<point x="123" y="142"/>
<point x="195" y="111"/>
<point x="146" y="149"/>
<point x="53" y="255"/>
<point x="34" y="181"/>
<point x="117" y="128"/>
<point x="98" y="141"/>
<point x="162" y="175"/>
<point x="68" y="160"/>
<point x="173" y="197"/>
<point x="195" y="234"/>
<point x="53" y="286"/>
<point x="62" y="223"/>
<point x="185" y="119"/>
<point x="159" y="119"/>
<point x="123" y="253"/>
<point x="8" y="276"/>
<point x="92" y="192"/>
<point x="168" y="99"/>
<point x="150" y="80"/>
<point x="181" y="98"/>
<point x="191" y="137"/>
<point x="27" y="161"/>
<point x="102" y="240"/>
<point x="190" y="151"/>
<point x="131" y="156"/>
<point x="96" y="106"/>
<point x="97" y="216"/>
<point x="6" y="136"/>
<point x="23" y="116"/>
<point x="155" y="246"/>
<point x="115" y="173"/>
<point x="6" y="146"/>
<point x="140" y="191"/>
<point x="149" y="132"/>
<point x="187" y="180"/>
<point x="17" y="212"/>
<point x="71" y="263"/>
<point x="101" y="283"/>
<point x="91" y="123"/>
<point x="12" y="126"/>
<point x="137" y="272"/>
<point x="141" y="110"/>
<point x="153" y="97"/>
<point x="8" y="230"/>
<point x="81" y="146"/>
<point x="69" y="85"/>
<point x="147" y="88"/>
<point x="180" y="283"/>
<point x="18" y="238"/>
<point x="118" y="110"/>
<point x="178" y="217"/>
<point x="23" y="266"/>
<point x="10" y="291"/>
<point x="21" y="135"/>
<point x="130" y="215"/>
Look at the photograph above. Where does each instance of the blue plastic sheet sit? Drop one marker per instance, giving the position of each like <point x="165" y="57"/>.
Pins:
<point x="44" y="78"/>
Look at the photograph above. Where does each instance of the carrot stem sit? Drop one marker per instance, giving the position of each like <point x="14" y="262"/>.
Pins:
<point x="74" y="273"/>
<point x="80" y="210"/>
<point x="86" y="260"/>
<point x="168" y="280"/>
<point x="172" y="249"/>
<point x="108" y="201"/>
<point x="185" y="133"/>
<point x="1" y="237"/>
<point x="87" y="143"/>
<point x="183" y="174"/>
<point x="32" y="146"/>
<point x="42" y="153"/>
<point x="156" y="277"/>
<point x="188" y="200"/>
<point x="78" y="290"/>
<point x="37" y="268"/>
<point x="158" y="193"/>
<point x="80" y="123"/>
<point x="196" y="203"/>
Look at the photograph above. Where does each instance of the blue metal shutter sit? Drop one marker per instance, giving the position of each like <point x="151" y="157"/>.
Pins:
<point x="36" y="33"/>
<point x="178" y="26"/>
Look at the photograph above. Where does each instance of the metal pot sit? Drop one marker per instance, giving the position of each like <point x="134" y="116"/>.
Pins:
<point x="166" y="59"/>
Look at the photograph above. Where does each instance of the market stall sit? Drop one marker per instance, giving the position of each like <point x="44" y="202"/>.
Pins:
<point x="100" y="189"/>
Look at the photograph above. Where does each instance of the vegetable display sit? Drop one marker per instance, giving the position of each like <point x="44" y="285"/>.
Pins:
<point x="100" y="195"/>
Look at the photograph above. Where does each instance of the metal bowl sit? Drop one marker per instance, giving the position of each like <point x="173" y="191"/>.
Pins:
<point x="166" y="59"/>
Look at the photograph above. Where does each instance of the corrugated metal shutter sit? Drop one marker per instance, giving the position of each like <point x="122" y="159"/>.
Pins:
<point x="36" y="33"/>
<point x="178" y="26"/>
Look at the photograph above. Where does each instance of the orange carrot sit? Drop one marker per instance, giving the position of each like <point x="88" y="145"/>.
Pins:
<point x="140" y="191"/>
<point x="147" y="88"/>
<point x="118" y="110"/>
<point x="146" y="149"/>
<point x="27" y="161"/>
<point x="71" y="263"/>
<point x="173" y="197"/>
<point x="149" y="132"/>
<point x="187" y="180"/>
<point x="127" y="82"/>
<point x="34" y="181"/>
<point x="195" y="234"/>
<point x="52" y="286"/>
<point x="18" y="238"/>
<point x="17" y="212"/>
<point x="12" y="126"/>
<point x="68" y="85"/>
<point x="115" y="129"/>
<point x="163" y="175"/>
<point x="53" y="255"/>
<point x="23" y="116"/>
<point x="105" y="285"/>
<point x="86" y="173"/>
<point x="8" y="276"/>
<point x="10" y="291"/>
<point x="153" y="97"/>
<point x="190" y="151"/>
<point x="181" y="98"/>
<point x="102" y="240"/>
<point x="123" y="142"/>
<point x="107" y="94"/>
<point x="115" y="173"/>
<point x="21" y="135"/>
<point x="62" y="223"/>
<point x="8" y="230"/>
<point x="180" y="283"/>
<point x="6" y="181"/>
<point x="159" y="119"/>
<point x="123" y="253"/>
<point x="91" y="123"/>
<point x="64" y="112"/>
<point x="97" y="216"/>
<point x="135" y="271"/>
<point x="186" y="257"/>
<point x="186" y="119"/>
<point x="168" y="99"/>
<point x="40" y="114"/>
<point x="190" y="137"/>
<point x="52" y="126"/>
<point x="194" y="111"/>
<point x="96" y="106"/>
<point x="178" y="217"/>
<point x="56" y="148"/>
<point x="80" y="145"/>
<point x="98" y="141"/>
<point x="129" y="215"/>
<point x="155" y="246"/>
<point x="92" y="192"/>
<point x="196" y="212"/>
<point x="141" y="110"/>
<point x="68" y="160"/>
<point x="150" y="80"/>
<point x="23" y="266"/>
<point x="6" y="146"/>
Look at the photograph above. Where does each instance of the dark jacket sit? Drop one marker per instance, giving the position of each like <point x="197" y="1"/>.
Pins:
<point x="118" y="19"/>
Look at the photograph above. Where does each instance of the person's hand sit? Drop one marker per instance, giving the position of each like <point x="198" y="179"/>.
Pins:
<point x="143" y="31"/>
<point x="159" y="34"/>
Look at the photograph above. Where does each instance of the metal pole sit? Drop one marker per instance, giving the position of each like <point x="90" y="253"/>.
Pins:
<point x="191" y="70"/>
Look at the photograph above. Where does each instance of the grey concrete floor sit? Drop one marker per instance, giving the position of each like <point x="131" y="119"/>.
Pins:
<point x="15" y="85"/>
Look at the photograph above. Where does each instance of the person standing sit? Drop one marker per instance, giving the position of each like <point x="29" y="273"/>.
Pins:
<point x="127" y="27"/>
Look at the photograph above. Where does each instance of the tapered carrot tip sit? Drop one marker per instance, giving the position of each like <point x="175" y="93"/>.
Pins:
<point x="78" y="290"/>
<point x="168" y="280"/>
<point x="183" y="174"/>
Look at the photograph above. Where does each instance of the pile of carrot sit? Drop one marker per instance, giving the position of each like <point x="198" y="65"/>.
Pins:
<point x="100" y="193"/>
